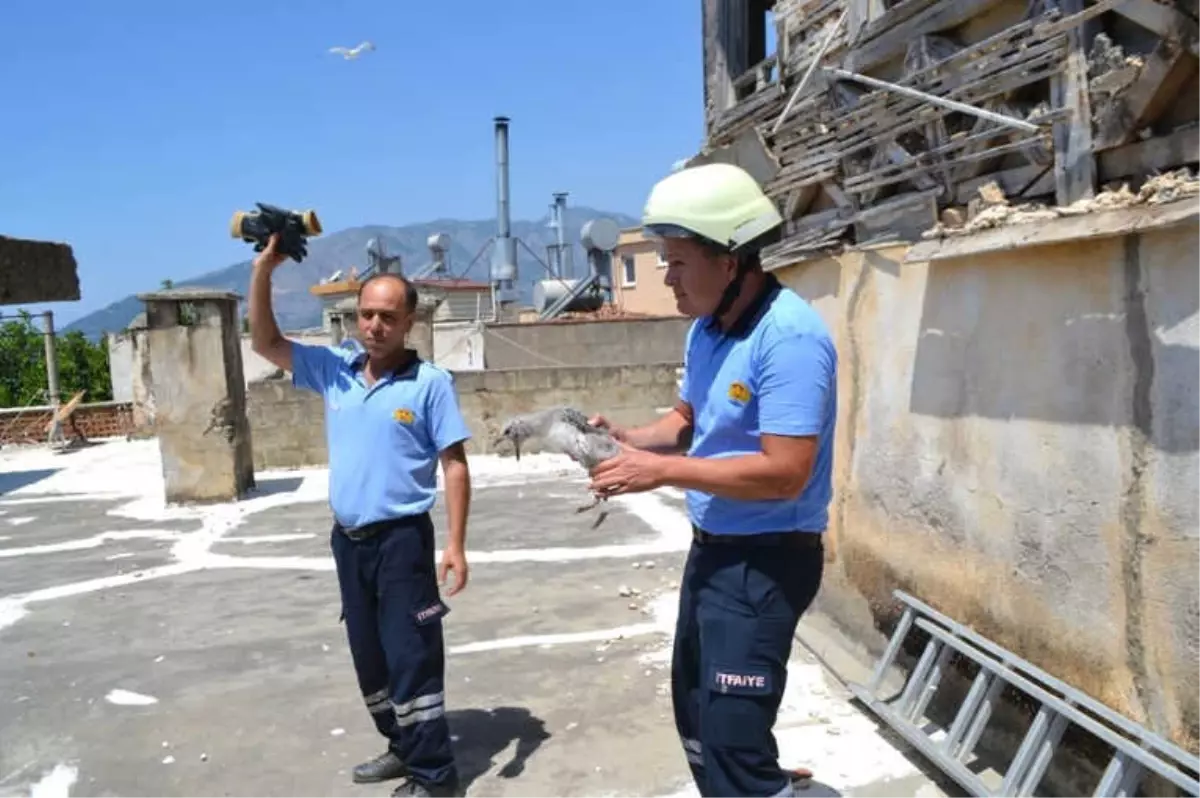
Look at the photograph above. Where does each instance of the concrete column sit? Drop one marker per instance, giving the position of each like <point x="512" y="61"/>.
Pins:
<point x="420" y="337"/>
<point x="195" y="368"/>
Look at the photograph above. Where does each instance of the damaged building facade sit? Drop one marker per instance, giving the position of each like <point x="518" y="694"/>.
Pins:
<point x="994" y="205"/>
<point x="871" y="122"/>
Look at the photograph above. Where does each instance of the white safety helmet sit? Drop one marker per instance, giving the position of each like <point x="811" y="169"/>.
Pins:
<point x="718" y="202"/>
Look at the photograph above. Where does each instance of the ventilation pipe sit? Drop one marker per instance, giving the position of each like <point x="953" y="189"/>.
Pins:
<point x="504" y="254"/>
<point x="566" y="265"/>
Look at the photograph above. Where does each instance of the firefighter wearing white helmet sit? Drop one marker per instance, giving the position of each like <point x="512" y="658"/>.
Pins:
<point x="750" y="441"/>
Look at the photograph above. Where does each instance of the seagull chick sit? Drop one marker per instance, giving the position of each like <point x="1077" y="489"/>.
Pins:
<point x="564" y="430"/>
<point x="351" y="53"/>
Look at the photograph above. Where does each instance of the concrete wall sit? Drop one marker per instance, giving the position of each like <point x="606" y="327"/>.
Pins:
<point x="255" y="367"/>
<point x="458" y="346"/>
<point x="1017" y="446"/>
<point x="127" y="355"/>
<point x="120" y="364"/>
<point x="580" y="343"/>
<point x="288" y="425"/>
<point x="625" y="394"/>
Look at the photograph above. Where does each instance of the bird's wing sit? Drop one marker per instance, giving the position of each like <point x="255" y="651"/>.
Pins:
<point x="601" y="446"/>
<point x="565" y="439"/>
<point x="338" y="50"/>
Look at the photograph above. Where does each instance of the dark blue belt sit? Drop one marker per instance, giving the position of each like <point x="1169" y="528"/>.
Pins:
<point x="375" y="527"/>
<point x="797" y="540"/>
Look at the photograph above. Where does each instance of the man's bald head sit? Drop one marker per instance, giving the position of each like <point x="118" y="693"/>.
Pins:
<point x="386" y="306"/>
<point x="406" y="285"/>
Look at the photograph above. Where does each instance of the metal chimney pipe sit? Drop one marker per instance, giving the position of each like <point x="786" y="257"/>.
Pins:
<point x="504" y="254"/>
<point x="503" y="220"/>
<point x="565" y="254"/>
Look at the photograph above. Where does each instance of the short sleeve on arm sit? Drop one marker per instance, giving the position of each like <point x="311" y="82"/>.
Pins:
<point x="446" y="424"/>
<point x="313" y="367"/>
<point x="684" y="382"/>
<point x="797" y="377"/>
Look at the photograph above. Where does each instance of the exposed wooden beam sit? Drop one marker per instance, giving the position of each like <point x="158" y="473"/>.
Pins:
<point x="1101" y="224"/>
<point x="1162" y="19"/>
<point x="1162" y="77"/>
<point x="1030" y="180"/>
<point x="799" y="200"/>
<point x="1153" y="155"/>
<point x="835" y="193"/>
<point x="1074" y="164"/>
<point x="894" y="41"/>
<point x="897" y="219"/>
<point x="1136" y="160"/>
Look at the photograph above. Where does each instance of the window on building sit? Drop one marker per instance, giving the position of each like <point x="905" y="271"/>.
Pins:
<point x="628" y="271"/>
<point x="760" y="43"/>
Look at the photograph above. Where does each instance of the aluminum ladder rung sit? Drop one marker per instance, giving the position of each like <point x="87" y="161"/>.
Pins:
<point x="1121" y="777"/>
<point x="1060" y="707"/>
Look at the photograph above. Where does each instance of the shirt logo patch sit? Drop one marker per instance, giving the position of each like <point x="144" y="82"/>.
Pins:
<point x="403" y="415"/>
<point x="738" y="392"/>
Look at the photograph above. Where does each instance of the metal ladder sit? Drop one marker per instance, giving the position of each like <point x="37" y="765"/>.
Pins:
<point x="1136" y="750"/>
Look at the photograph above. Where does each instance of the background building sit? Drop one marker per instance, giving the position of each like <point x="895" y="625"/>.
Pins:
<point x="638" y="272"/>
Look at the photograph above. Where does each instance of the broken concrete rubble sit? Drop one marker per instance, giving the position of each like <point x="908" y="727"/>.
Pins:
<point x="990" y="208"/>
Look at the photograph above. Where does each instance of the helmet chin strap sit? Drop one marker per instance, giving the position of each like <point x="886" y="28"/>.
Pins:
<point x="730" y="294"/>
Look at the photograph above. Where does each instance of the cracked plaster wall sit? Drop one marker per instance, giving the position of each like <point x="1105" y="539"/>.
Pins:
<point x="1017" y="446"/>
<point x="199" y="401"/>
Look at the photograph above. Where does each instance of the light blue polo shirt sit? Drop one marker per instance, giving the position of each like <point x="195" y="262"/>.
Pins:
<point x="777" y="375"/>
<point x="384" y="440"/>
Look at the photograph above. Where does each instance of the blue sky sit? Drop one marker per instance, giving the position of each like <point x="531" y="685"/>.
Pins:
<point x="133" y="129"/>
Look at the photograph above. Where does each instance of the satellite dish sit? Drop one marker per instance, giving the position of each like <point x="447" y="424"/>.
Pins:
<point x="600" y="234"/>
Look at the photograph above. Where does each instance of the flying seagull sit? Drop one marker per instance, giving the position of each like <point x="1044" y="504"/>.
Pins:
<point x="351" y="53"/>
<point x="564" y="430"/>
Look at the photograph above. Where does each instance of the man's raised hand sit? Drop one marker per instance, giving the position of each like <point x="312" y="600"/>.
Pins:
<point x="270" y="257"/>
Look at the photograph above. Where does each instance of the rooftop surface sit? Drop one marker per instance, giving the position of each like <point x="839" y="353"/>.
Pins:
<point x="197" y="650"/>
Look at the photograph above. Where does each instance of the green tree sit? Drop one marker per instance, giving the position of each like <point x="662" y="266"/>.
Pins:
<point x="82" y="364"/>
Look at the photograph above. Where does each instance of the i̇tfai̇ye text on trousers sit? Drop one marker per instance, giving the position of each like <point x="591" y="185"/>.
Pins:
<point x="739" y="605"/>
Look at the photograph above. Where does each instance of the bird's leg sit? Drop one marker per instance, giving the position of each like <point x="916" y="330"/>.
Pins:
<point x="596" y="499"/>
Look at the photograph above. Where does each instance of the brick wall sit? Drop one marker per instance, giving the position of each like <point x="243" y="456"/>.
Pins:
<point x="95" y="420"/>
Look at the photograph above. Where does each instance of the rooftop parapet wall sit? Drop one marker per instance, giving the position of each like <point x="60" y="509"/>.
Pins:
<point x="1019" y="446"/>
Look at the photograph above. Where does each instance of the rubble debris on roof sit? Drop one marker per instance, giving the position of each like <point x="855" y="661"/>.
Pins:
<point x="930" y="98"/>
<point x="992" y="209"/>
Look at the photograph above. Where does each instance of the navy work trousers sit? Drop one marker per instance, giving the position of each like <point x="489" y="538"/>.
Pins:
<point x="738" y="609"/>
<point x="393" y="613"/>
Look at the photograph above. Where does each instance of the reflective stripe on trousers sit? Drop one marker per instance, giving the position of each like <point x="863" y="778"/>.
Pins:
<point x="393" y="613"/>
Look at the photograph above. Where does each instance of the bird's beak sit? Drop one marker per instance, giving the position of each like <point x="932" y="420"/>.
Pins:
<point x="515" y="442"/>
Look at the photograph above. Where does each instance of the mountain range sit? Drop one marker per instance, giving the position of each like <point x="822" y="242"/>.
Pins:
<point x="296" y="308"/>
